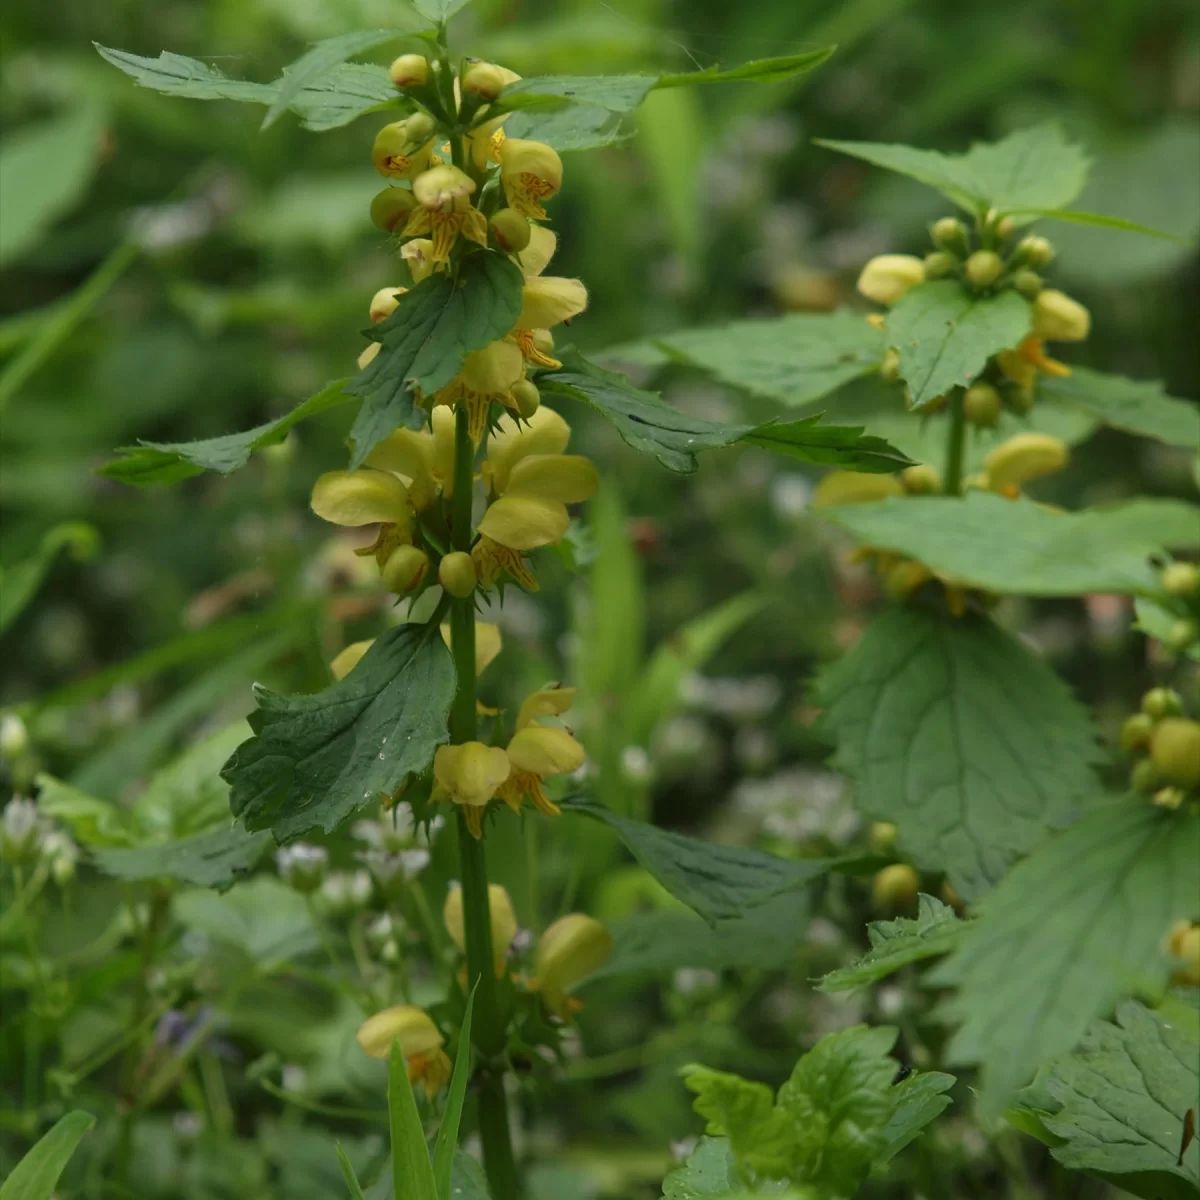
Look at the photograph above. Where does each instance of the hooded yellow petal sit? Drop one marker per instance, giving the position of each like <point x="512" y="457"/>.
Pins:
<point x="853" y="487"/>
<point x="1023" y="457"/>
<point x="365" y="497"/>
<point x="544" y="433"/>
<point x="494" y="369"/>
<point x="349" y="658"/>
<point x="502" y="919"/>
<point x="545" y="750"/>
<point x="488" y="644"/>
<point x="409" y="454"/>
<point x="417" y="254"/>
<point x="567" y="478"/>
<point x="567" y="953"/>
<point x="548" y="299"/>
<point x="470" y="773"/>
<point x="525" y="522"/>
<point x="536" y="256"/>
<point x="411" y="1026"/>
<point x="546" y="702"/>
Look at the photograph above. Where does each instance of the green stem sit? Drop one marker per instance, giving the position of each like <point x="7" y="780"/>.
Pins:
<point x="955" y="445"/>
<point x="488" y="1027"/>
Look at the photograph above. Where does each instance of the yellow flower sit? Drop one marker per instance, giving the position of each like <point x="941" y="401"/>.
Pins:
<point x="503" y="922"/>
<point x="417" y="254"/>
<point x="1058" y="318"/>
<point x="854" y="487"/>
<point x="487" y="375"/>
<point x="535" y="752"/>
<point x="530" y="172"/>
<point x="469" y="775"/>
<point x="887" y="277"/>
<point x="544" y="301"/>
<point x="568" y="952"/>
<point x="366" y="497"/>
<point x="422" y="458"/>
<point x="1023" y="457"/>
<point x="485" y="141"/>
<point x="349" y="658"/>
<point x="420" y="1043"/>
<point x="444" y="195"/>
<point x="403" y="148"/>
<point x="488" y="644"/>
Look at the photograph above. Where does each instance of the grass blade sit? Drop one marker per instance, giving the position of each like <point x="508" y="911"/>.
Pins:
<point x="412" y="1173"/>
<point x="34" y="1177"/>
<point x="447" y="1138"/>
<point x="355" y="1188"/>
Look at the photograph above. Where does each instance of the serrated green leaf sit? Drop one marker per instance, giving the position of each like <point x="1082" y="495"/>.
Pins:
<point x="954" y="732"/>
<point x="1019" y="547"/>
<point x="19" y="582"/>
<point x="895" y="944"/>
<point x="1136" y="405"/>
<point x="795" y="358"/>
<point x="759" y="1135"/>
<point x="35" y="1176"/>
<point x="718" y="882"/>
<point x="647" y="423"/>
<point x="170" y="462"/>
<point x="1031" y="169"/>
<point x="574" y="127"/>
<point x="759" y="70"/>
<point x="1074" y="216"/>
<point x="211" y="859"/>
<point x="423" y="343"/>
<point x="945" y="335"/>
<point x="613" y="93"/>
<point x="1070" y="930"/>
<point x="710" y="1173"/>
<point x="315" y="759"/>
<point x="1120" y="1101"/>
<point x="916" y="1102"/>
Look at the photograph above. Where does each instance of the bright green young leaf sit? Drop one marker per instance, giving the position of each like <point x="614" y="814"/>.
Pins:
<point x="35" y="1176"/>
<point x="744" y="1112"/>
<point x="945" y="335"/>
<point x="895" y="944"/>
<point x="1120" y="1101"/>
<point x="212" y="859"/>
<point x="19" y="583"/>
<point x="170" y="462"/>
<point x="1136" y="405"/>
<point x="1070" y="930"/>
<point x="1031" y="169"/>
<point x="447" y="1137"/>
<point x="916" y="1102"/>
<point x="315" y="759"/>
<point x="647" y="423"/>
<point x="44" y="168"/>
<point x="958" y="735"/>
<point x="718" y="882"/>
<point x="795" y="358"/>
<point x="424" y="341"/>
<point x="412" y="1172"/>
<point x="1019" y="547"/>
<point x="710" y="1173"/>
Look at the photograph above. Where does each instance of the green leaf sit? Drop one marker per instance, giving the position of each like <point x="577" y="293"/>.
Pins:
<point x="710" y="1173"/>
<point x="1075" y="217"/>
<point x="92" y="821"/>
<point x="647" y="423"/>
<point x="612" y="93"/>
<point x="1034" y="168"/>
<point x="1157" y="622"/>
<point x="412" y="1174"/>
<point x="717" y="882"/>
<point x="447" y="1137"/>
<point x="212" y="859"/>
<point x="1072" y="928"/>
<point x="759" y="70"/>
<point x="899" y="943"/>
<point x="352" y="1184"/>
<point x="439" y="11"/>
<point x="322" y="58"/>
<point x="575" y="127"/>
<point x="315" y="759"/>
<point x="916" y="1102"/>
<point x="263" y="917"/>
<point x="794" y="359"/>
<point x="955" y="733"/>
<point x="945" y="335"/>
<point x="1019" y="547"/>
<point x="1136" y="405"/>
<point x="170" y="462"/>
<point x="424" y="342"/>
<point x="44" y="169"/>
<point x="35" y="1176"/>
<point x="1121" y="1097"/>
<point x="20" y="582"/>
<point x="759" y="1134"/>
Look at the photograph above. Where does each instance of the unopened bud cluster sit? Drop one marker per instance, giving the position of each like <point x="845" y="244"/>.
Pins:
<point x="1166" y="746"/>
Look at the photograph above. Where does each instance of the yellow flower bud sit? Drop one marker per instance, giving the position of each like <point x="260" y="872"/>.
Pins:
<point x="409" y="70"/>
<point x="981" y="405"/>
<point x="440" y="188"/>
<point x="1145" y="777"/>
<point x="502" y="919"/>
<point x="530" y="172"/>
<point x="484" y="79"/>
<point x="895" y="886"/>
<point x="1183" y="944"/>
<point x="456" y="573"/>
<point x="510" y="230"/>
<point x="950" y="233"/>
<point x="349" y="658"/>
<point x="1169" y="798"/>
<point x="881" y="836"/>
<point x="404" y="569"/>
<point x="417" y="254"/>
<point x="1036" y="251"/>
<point x="568" y="952"/>
<point x="1175" y="750"/>
<point x="384" y="303"/>
<point x="921" y="480"/>
<point x="420" y="1043"/>
<point x="526" y="397"/>
<point x="1181" y="579"/>
<point x="1058" y="318"/>
<point x="889" y="369"/>
<point x="391" y="208"/>
<point x="469" y="775"/>
<point x="887" y="277"/>
<point x="1136" y="731"/>
<point x="1028" y="283"/>
<point x="1162" y="702"/>
<point x="853" y="487"/>
<point x="983" y="268"/>
<point x="939" y="264"/>
<point x="905" y="578"/>
<point x="1023" y="457"/>
<point x="1181" y="635"/>
<point x="365" y="497"/>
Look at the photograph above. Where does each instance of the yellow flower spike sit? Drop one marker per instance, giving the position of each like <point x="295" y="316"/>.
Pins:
<point x="887" y="277"/>
<point x="546" y="432"/>
<point x="444" y="194"/>
<point x="488" y="644"/>
<point x="567" y="953"/>
<point x="1058" y="318"/>
<point x="349" y="658"/>
<point x="547" y="300"/>
<point x="469" y="775"/>
<point x="853" y="487"/>
<point x="409" y="454"/>
<point x="397" y="154"/>
<point x="1023" y="457"/>
<point x="364" y="497"/>
<point x="545" y="702"/>
<point x="503" y="922"/>
<point x="417" y="254"/>
<point x="530" y="172"/>
<point x="420" y="1043"/>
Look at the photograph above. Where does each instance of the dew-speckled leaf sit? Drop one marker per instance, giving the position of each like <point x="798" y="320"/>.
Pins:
<point x="314" y="759"/>
<point x="211" y="859"/>
<point x="945" y="335"/>
<point x="1072" y="928"/>
<point x="1020" y="547"/>
<point x="898" y="943"/>
<point x="1135" y="405"/>
<point x="424" y="341"/>
<point x="958" y="735"/>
